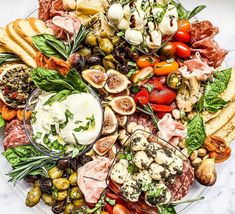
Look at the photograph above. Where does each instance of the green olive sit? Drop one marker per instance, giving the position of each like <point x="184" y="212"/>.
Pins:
<point x="73" y="179"/>
<point x="48" y="199"/>
<point x="55" y="172"/>
<point x="98" y="67"/>
<point x="85" y="51"/>
<point x="79" y="202"/>
<point x="106" y="45"/>
<point x="69" y="208"/>
<point x="61" y="183"/>
<point x="75" y="193"/>
<point x="91" y="40"/>
<point x="111" y="58"/>
<point x="108" y="64"/>
<point x="104" y="34"/>
<point x="61" y="195"/>
<point x="33" y="196"/>
<point x="115" y="40"/>
<point x="36" y="183"/>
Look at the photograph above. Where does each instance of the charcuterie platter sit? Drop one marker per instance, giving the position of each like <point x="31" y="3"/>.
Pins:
<point x="112" y="107"/>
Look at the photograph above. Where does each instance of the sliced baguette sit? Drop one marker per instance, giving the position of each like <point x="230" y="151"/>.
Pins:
<point x="24" y="29"/>
<point x="37" y="25"/>
<point x="18" y="39"/>
<point x="13" y="47"/>
<point x="3" y="49"/>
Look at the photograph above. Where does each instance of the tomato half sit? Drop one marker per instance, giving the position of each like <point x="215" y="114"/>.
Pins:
<point x="165" y="67"/>
<point x="119" y="209"/>
<point x="182" y="50"/>
<point x="162" y="97"/>
<point x="184" y="25"/>
<point x="182" y="36"/>
<point x="167" y="51"/>
<point x="146" y="61"/>
<point x="142" y="74"/>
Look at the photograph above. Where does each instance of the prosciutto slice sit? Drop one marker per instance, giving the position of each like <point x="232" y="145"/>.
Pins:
<point x="92" y="178"/>
<point x="171" y="130"/>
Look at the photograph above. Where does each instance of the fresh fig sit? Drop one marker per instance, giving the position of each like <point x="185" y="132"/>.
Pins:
<point x="122" y="120"/>
<point x="123" y="105"/>
<point x="126" y="92"/>
<point x="102" y="146"/>
<point x="95" y="78"/>
<point x="110" y="121"/>
<point x="116" y="82"/>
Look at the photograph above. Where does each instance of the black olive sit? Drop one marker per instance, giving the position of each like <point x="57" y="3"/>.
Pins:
<point x="84" y="159"/>
<point x="133" y="55"/>
<point x="120" y="57"/>
<point x="98" y="52"/>
<point x="77" y="61"/>
<point x="46" y="185"/>
<point x="66" y="175"/>
<point x="123" y="68"/>
<point x="31" y="178"/>
<point x="74" y="164"/>
<point x="59" y="207"/>
<point x="63" y="163"/>
<point x="92" y="60"/>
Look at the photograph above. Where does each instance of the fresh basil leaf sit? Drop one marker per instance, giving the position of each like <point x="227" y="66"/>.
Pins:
<point x="196" y="133"/>
<point x="2" y="122"/>
<point x="58" y="97"/>
<point x="200" y="104"/>
<point x="166" y="209"/>
<point x="195" y="11"/>
<point x="8" y="57"/>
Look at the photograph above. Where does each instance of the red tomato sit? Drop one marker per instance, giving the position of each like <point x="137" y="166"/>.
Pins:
<point x="162" y="108"/>
<point x="162" y="97"/>
<point x="146" y="61"/>
<point x="184" y="25"/>
<point x="109" y="208"/>
<point x="182" y="50"/>
<point x="182" y="36"/>
<point x="119" y="209"/>
<point x="167" y="51"/>
<point x="142" y="74"/>
<point x="142" y="97"/>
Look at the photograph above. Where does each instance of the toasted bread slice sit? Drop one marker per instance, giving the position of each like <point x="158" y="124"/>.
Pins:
<point x="229" y="93"/>
<point x="24" y="29"/>
<point x="3" y="49"/>
<point x="37" y="25"/>
<point x="13" y="47"/>
<point x="18" y="39"/>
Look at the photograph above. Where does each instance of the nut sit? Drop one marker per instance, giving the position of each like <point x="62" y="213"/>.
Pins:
<point x="194" y="155"/>
<point x="202" y="152"/>
<point x="182" y="144"/>
<point x="196" y="162"/>
<point x="206" y="157"/>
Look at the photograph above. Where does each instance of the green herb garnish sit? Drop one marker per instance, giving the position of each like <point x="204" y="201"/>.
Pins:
<point x="2" y="122"/>
<point x="90" y="124"/>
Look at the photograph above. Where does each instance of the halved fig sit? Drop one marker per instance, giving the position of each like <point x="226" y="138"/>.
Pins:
<point x="126" y="92"/>
<point x="95" y="78"/>
<point x="123" y="105"/>
<point x="110" y="121"/>
<point x="122" y="120"/>
<point x="116" y="82"/>
<point x="102" y="146"/>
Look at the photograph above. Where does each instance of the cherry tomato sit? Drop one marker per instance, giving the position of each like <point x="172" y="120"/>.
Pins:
<point x="162" y="97"/>
<point x="142" y="74"/>
<point x="182" y="50"/>
<point x="162" y="108"/>
<point x="184" y="25"/>
<point x="146" y="61"/>
<point x="119" y="209"/>
<point x="165" y="67"/>
<point x="167" y="51"/>
<point x="108" y="208"/>
<point x="183" y="36"/>
<point x="142" y="97"/>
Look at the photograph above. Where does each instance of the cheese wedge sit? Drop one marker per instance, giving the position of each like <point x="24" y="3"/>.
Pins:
<point x="19" y="40"/>
<point x="37" y="25"/>
<point x="89" y="7"/>
<point x="13" y="47"/>
<point x="24" y="29"/>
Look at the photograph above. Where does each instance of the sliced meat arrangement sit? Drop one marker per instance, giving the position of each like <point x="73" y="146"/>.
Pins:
<point x="202" y="39"/>
<point x="15" y="135"/>
<point x="92" y="178"/>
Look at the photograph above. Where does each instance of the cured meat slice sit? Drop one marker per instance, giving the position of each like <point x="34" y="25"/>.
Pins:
<point x="13" y="125"/>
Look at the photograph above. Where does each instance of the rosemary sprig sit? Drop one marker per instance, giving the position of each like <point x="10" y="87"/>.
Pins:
<point x="8" y="57"/>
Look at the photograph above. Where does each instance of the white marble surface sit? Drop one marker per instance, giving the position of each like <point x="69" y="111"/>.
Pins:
<point x="220" y="199"/>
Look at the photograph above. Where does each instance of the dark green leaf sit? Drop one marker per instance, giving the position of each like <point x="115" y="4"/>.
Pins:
<point x="200" y="104"/>
<point x="8" y="57"/>
<point x="195" y="11"/>
<point x="2" y="121"/>
<point x="58" y="97"/>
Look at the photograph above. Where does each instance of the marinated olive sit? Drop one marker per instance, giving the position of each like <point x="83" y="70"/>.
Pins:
<point x="132" y="54"/>
<point x="61" y="183"/>
<point x="33" y="196"/>
<point x="75" y="193"/>
<point x="31" y="178"/>
<point x="74" y="164"/>
<point x="98" y="67"/>
<point x="37" y="183"/>
<point x="48" y="199"/>
<point x="107" y="64"/>
<point x="55" y="172"/>
<point x="85" y="51"/>
<point x="77" y="61"/>
<point x="45" y="185"/>
<point x="92" y="60"/>
<point x="111" y="58"/>
<point x="123" y="68"/>
<point x="118" y="55"/>
<point x="98" y="52"/>
<point x="59" y="207"/>
<point x="104" y="34"/>
<point x="79" y="202"/>
<point x="115" y="40"/>
<point x="91" y="40"/>
<point x="61" y="195"/>
<point x="83" y="159"/>
<point x="106" y="45"/>
<point x="73" y="179"/>
<point x="69" y="208"/>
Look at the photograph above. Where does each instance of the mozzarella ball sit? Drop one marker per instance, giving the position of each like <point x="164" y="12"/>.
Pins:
<point x="143" y="177"/>
<point x="172" y="11"/>
<point x="123" y="24"/>
<point x="131" y="190"/>
<point x="135" y="37"/>
<point x="119" y="173"/>
<point x="157" y="11"/>
<point x="158" y="172"/>
<point x="163" y="158"/>
<point x="139" y="143"/>
<point x="139" y="19"/>
<point x="176" y="167"/>
<point x="115" y="13"/>
<point x="142" y="160"/>
<point x="154" y="40"/>
<point x="152" y="149"/>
